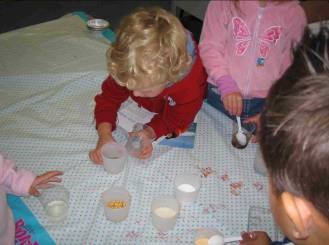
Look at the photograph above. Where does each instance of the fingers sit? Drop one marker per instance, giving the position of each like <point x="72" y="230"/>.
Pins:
<point x="233" y="104"/>
<point x="44" y="186"/>
<point x="47" y="177"/>
<point x="34" y="192"/>
<point x="96" y="156"/>
<point x="146" y="151"/>
<point x="255" y="138"/>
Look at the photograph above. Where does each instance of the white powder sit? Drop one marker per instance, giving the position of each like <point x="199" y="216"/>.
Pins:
<point x="242" y="139"/>
<point x="186" y="188"/>
<point x="216" y="240"/>
<point x="165" y="212"/>
<point x="56" y="209"/>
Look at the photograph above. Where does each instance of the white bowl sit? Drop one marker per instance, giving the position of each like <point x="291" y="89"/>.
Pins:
<point x="97" y="24"/>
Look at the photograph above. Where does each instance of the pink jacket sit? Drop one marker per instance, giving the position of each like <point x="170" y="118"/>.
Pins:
<point x="14" y="182"/>
<point x="234" y="40"/>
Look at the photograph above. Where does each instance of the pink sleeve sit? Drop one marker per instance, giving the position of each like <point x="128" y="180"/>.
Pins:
<point x="15" y="182"/>
<point x="226" y="85"/>
<point x="213" y="39"/>
<point x="295" y="32"/>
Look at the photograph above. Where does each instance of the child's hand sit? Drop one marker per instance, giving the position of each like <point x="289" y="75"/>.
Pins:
<point x="233" y="103"/>
<point x="43" y="182"/>
<point x="256" y="120"/>
<point x="95" y="155"/>
<point x="255" y="238"/>
<point x="146" y="135"/>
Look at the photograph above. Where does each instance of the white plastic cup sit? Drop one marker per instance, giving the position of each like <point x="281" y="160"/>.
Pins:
<point x="119" y="195"/>
<point x="187" y="187"/>
<point x="55" y="202"/>
<point x="209" y="236"/>
<point x="165" y="211"/>
<point x="114" y="157"/>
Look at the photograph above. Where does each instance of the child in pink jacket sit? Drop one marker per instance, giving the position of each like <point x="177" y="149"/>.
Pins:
<point x="245" y="47"/>
<point x="22" y="183"/>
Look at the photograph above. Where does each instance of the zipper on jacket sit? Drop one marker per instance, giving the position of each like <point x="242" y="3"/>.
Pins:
<point x="253" y="47"/>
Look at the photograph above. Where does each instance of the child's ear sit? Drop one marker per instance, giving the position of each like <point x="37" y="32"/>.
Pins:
<point x="299" y="213"/>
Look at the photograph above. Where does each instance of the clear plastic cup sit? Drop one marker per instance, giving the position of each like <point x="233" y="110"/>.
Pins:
<point x="165" y="211"/>
<point x="187" y="187"/>
<point x="133" y="144"/>
<point x="261" y="219"/>
<point x="55" y="202"/>
<point x="114" y="157"/>
<point x="116" y="202"/>
<point x="209" y="236"/>
<point x="259" y="164"/>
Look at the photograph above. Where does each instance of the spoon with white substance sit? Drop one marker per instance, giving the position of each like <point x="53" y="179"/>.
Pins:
<point x="240" y="136"/>
<point x="210" y="236"/>
<point x="220" y="240"/>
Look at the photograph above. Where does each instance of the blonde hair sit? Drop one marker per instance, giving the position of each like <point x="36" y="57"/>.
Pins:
<point x="150" y="49"/>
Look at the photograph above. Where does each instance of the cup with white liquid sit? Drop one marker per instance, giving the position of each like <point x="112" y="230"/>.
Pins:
<point x="114" y="157"/>
<point x="187" y="187"/>
<point x="165" y="211"/>
<point x="55" y="202"/>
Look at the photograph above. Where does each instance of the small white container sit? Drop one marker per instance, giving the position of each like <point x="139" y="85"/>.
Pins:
<point x="119" y="195"/>
<point x="97" y="24"/>
<point x="114" y="157"/>
<point x="187" y="187"/>
<point x="55" y="202"/>
<point x="165" y="211"/>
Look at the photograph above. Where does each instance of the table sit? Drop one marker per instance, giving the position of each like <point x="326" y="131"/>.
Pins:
<point x="49" y="75"/>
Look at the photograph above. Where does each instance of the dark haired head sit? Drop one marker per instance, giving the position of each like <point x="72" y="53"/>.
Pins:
<point x="295" y="139"/>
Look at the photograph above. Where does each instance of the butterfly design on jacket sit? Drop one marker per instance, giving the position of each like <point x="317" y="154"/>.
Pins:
<point x="243" y="37"/>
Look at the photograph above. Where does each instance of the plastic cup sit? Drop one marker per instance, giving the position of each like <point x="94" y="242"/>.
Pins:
<point x="187" y="187"/>
<point x="259" y="164"/>
<point x="261" y="219"/>
<point x="55" y="202"/>
<point x="114" y="157"/>
<point x="116" y="202"/>
<point x="165" y="211"/>
<point x="209" y="236"/>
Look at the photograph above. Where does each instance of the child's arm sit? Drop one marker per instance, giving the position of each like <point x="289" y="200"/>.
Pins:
<point x="104" y="131"/>
<point x="43" y="181"/>
<point x="213" y="51"/>
<point x="15" y="182"/>
<point x="23" y="182"/>
<point x="213" y="46"/>
<point x="295" y="32"/>
<point x="108" y="103"/>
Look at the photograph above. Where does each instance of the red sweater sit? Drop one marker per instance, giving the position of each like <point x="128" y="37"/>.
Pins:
<point x="176" y="106"/>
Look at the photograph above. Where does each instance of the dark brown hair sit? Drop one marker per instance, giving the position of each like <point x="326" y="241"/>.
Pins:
<point x="295" y="138"/>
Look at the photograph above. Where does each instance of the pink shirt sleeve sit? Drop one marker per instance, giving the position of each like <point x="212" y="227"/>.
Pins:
<point x="214" y="38"/>
<point x="13" y="181"/>
<point x="295" y="32"/>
